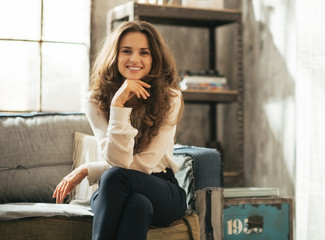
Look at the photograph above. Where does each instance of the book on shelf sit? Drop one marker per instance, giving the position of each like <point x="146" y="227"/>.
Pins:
<point x="200" y="82"/>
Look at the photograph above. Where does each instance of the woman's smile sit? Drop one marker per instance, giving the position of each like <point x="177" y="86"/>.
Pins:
<point x="134" y="68"/>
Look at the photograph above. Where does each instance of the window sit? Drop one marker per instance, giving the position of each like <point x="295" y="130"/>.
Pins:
<point x="44" y="54"/>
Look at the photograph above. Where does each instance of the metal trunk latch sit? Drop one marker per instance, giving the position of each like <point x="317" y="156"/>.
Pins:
<point x="255" y="221"/>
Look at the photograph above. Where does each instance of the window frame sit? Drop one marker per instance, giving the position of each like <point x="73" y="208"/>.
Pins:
<point x="40" y="42"/>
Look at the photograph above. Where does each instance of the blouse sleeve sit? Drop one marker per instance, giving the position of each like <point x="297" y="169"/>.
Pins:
<point x="116" y="139"/>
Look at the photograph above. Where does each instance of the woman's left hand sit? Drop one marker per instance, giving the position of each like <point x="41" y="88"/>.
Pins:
<point x="69" y="182"/>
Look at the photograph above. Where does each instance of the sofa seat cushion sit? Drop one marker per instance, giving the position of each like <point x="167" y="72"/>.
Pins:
<point x="12" y="211"/>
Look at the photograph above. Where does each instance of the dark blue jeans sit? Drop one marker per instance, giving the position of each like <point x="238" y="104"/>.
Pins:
<point x="128" y="202"/>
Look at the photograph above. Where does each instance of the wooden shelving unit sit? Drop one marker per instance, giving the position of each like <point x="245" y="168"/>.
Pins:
<point x="204" y="18"/>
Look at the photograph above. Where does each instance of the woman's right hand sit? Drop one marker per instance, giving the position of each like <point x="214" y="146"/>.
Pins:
<point x="69" y="182"/>
<point x="129" y="89"/>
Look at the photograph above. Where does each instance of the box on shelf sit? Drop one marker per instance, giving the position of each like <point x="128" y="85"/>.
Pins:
<point x="161" y="2"/>
<point x="258" y="217"/>
<point x="208" y="4"/>
<point x="250" y="192"/>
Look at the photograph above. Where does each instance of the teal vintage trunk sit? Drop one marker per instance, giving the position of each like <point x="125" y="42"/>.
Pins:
<point x="266" y="218"/>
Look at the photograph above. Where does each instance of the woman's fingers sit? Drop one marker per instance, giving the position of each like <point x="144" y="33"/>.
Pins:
<point x="59" y="191"/>
<point x="137" y="87"/>
<point x="62" y="190"/>
<point x="142" y="93"/>
<point x="65" y="191"/>
<point x="141" y="87"/>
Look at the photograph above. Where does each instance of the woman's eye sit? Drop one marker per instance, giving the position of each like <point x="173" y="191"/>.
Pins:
<point x="145" y="53"/>
<point x="126" y="51"/>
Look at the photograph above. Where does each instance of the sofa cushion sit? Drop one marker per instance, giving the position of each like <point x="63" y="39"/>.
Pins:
<point x="13" y="211"/>
<point x="36" y="153"/>
<point x="85" y="149"/>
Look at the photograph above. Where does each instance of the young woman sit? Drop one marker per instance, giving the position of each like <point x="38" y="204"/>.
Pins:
<point x="133" y="108"/>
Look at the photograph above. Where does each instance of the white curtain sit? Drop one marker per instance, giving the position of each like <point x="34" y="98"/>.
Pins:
<point x="310" y="115"/>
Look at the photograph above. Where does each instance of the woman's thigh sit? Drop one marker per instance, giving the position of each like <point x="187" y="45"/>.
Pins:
<point x="168" y="199"/>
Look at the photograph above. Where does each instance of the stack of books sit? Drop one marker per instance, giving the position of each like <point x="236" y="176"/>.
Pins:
<point x="204" y="82"/>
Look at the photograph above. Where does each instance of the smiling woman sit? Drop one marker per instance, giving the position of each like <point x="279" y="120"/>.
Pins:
<point x="133" y="108"/>
<point x="42" y="61"/>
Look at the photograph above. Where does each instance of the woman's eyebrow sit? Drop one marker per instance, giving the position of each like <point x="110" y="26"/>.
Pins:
<point x="145" y="48"/>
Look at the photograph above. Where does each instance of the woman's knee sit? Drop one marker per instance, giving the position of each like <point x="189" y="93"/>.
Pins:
<point x="112" y="176"/>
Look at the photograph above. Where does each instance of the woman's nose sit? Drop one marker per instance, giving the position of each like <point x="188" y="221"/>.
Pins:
<point x="134" y="58"/>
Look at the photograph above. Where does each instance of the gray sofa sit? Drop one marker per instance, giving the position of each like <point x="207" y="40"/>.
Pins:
<point x="37" y="151"/>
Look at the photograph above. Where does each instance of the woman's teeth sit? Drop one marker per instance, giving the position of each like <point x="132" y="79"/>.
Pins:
<point x="134" y="68"/>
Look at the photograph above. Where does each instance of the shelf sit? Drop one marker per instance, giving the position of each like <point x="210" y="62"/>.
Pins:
<point x="232" y="178"/>
<point x="206" y="96"/>
<point x="175" y="15"/>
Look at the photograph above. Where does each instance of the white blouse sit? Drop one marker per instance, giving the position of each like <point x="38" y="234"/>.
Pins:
<point x="116" y="141"/>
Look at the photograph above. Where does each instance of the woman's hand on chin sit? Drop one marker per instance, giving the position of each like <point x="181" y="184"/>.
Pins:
<point x="129" y="89"/>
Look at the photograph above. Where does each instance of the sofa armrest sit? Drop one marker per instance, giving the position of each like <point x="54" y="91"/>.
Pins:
<point x="201" y="176"/>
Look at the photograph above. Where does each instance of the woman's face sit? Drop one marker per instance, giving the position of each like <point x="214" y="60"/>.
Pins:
<point x="134" y="56"/>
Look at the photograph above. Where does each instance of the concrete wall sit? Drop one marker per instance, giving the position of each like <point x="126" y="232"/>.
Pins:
<point x="269" y="49"/>
<point x="269" y="87"/>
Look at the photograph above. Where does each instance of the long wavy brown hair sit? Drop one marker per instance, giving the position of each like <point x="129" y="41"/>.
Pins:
<point x="147" y="115"/>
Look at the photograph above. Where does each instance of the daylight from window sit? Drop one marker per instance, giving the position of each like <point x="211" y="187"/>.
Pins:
<point x="44" y="54"/>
